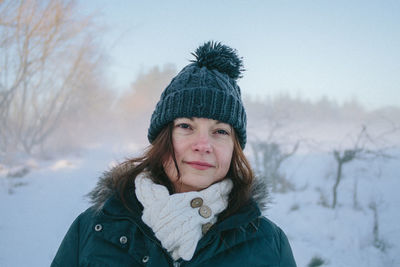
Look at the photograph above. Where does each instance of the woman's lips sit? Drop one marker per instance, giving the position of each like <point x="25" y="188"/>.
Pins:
<point x="200" y="165"/>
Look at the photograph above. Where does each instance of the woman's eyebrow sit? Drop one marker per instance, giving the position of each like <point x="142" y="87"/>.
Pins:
<point x="183" y="118"/>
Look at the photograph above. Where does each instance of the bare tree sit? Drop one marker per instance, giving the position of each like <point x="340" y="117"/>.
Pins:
<point x="342" y="157"/>
<point x="359" y="151"/>
<point x="268" y="158"/>
<point x="271" y="139"/>
<point x="378" y="242"/>
<point x="46" y="53"/>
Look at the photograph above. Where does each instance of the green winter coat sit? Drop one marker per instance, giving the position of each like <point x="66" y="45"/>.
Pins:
<point x="108" y="234"/>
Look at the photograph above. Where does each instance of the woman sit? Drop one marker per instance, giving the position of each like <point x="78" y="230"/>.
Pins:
<point x="190" y="199"/>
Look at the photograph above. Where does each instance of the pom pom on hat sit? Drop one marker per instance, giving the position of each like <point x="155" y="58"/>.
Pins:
<point x="214" y="55"/>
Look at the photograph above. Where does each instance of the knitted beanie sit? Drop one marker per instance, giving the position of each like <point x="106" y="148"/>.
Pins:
<point x="206" y="88"/>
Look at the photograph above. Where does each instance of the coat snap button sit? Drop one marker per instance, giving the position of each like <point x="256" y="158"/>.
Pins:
<point x="145" y="259"/>
<point x="98" y="227"/>
<point x="123" y="240"/>
<point x="205" y="211"/>
<point x="206" y="227"/>
<point x="196" y="202"/>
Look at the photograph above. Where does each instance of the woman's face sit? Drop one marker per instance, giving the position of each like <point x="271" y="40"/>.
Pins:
<point x="203" y="151"/>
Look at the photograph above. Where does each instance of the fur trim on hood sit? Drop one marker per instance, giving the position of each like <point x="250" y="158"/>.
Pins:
<point x="105" y="188"/>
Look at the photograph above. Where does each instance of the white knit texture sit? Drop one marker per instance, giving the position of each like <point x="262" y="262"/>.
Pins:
<point x="175" y="223"/>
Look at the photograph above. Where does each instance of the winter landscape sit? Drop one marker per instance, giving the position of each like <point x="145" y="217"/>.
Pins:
<point x="40" y="197"/>
<point x="320" y="90"/>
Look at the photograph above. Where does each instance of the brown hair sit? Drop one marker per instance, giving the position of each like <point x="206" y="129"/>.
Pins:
<point x="161" y="150"/>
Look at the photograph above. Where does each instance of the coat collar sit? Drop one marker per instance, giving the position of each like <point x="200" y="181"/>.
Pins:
<point x="105" y="198"/>
<point x="244" y="218"/>
<point x="105" y="189"/>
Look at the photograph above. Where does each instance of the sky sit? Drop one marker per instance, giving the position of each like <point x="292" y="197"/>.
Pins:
<point x="342" y="50"/>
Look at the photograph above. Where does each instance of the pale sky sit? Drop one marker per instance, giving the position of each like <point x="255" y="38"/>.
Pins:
<point x="338" y="49"/>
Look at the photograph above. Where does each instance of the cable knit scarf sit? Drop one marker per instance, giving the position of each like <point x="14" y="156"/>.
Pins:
<point x="179" y="220"/>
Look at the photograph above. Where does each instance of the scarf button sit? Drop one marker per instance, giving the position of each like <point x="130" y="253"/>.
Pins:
<point x="205" y="211"/>
<point x="196" y="202"/>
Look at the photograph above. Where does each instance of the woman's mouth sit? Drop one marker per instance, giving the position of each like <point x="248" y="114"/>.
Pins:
<point x="199" y="165"/>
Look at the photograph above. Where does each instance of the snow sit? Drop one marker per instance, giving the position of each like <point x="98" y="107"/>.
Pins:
<point x="341" y="236"/>
<point x="38" y="208"/>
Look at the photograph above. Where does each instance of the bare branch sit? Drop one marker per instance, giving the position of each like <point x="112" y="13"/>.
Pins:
<point x="45" y="53"/>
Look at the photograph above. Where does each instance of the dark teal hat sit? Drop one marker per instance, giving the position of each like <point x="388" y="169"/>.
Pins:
<point x="206" y="88"/>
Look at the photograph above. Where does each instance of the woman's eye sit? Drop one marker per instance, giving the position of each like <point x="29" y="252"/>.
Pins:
<point x="223" y="132"/>
<point x="183" y="125"/>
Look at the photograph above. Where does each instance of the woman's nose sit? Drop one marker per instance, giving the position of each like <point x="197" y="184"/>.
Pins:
<point x="202" y="143"/>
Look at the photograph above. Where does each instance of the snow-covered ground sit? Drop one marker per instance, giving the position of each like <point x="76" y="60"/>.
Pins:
<point x="37" y="209"/>
<point x="342" y="236"/>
